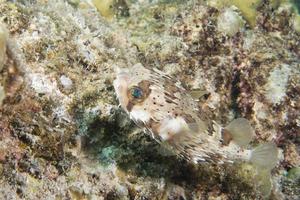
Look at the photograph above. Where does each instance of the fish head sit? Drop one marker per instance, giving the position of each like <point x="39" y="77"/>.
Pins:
<point x="154" y="101"/>
<point x="132" y="87"/>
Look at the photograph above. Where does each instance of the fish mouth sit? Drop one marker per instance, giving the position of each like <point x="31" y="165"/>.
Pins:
<point x="121" y="71"/>
<point x="122" y="78"/>
<point x="121" y="86"/>
<point x="120" y="83"/>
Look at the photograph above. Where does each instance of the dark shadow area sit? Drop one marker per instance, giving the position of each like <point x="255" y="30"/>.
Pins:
<point x="297" y="4"/>
<point x="112" y="141"/>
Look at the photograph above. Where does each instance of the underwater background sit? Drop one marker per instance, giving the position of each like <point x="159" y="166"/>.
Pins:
<point x="63" y="135"/>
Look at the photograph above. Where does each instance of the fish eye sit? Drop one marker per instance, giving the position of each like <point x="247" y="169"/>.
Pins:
<point x="136" y="92"/>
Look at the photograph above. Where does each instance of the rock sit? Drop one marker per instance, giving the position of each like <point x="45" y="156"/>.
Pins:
<point x="63" y="133"/>
<point x="276" y="90"/>
<point x="230" y="22"/>
<point x="66" y="82"/>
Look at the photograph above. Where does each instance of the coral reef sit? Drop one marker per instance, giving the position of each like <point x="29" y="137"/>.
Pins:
<point x="62" y="134"/>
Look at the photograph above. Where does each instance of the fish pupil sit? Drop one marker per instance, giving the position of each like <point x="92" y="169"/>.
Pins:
<point x="136" y="93"/>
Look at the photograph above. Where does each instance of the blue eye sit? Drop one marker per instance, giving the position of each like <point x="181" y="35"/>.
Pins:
<point x="136" y="92"/>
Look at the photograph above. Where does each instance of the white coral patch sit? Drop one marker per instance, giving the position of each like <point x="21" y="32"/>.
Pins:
<point x="275" y="89"/>
<point x="61" y="113"/>
<point x="66" y="82"/>
<point x="259" y="110"/>
<point x="249" y="39"/>
<point x="42" y="84"/>
<point x="230" y="22"/>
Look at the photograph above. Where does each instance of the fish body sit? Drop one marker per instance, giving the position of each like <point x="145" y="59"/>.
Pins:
<point x="157" y="103"/>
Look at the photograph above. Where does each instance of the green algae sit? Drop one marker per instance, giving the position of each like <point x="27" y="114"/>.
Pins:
<point x="105" y="8"/>
<point x="294" y="173"/>
<point x="297" y="23"/>
<point x="230" y="22"/>
<point x="249" y="8"/>
<point x="110" y="9"/>
<point x="112" y="154"/>
<point x="297" y="4"/>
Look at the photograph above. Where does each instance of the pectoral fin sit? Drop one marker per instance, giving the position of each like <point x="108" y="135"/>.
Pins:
<point x="239" y="131"/>
<point x="265" y="156"/>
<point x="197" y="93"/>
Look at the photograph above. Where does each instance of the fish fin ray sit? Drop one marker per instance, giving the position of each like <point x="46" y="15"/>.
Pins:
<point x="265" y="156"/>
<point x="240" y="131"/>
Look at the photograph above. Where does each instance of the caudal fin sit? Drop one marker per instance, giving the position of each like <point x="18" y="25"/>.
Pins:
<point x="265" y="156"/>
<point x="240" y="131"/>
<point x="264" y="182"/>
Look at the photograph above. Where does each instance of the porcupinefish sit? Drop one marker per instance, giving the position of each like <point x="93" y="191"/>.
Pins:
<point x="160" y="105"/>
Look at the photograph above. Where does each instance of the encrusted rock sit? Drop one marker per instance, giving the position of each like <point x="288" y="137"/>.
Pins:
<point x="63" y="133"/>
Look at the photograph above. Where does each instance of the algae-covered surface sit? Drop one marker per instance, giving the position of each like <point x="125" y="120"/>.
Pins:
<point x="63" y="135"/>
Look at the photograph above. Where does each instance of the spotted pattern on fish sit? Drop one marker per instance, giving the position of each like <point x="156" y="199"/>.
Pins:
<point x="159" y="104"/>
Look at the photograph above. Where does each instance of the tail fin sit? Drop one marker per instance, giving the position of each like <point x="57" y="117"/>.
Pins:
<point x="265" y="156"/>
<point x="240" y="131"/>
<point x="264" y="182"/>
